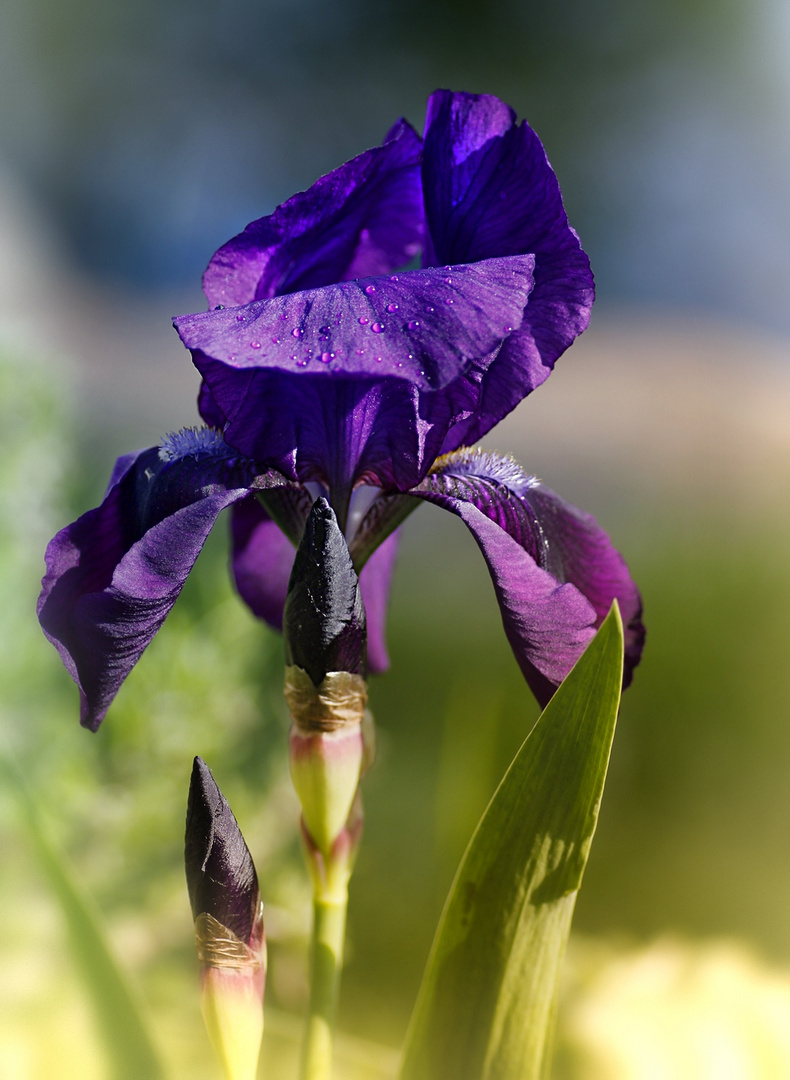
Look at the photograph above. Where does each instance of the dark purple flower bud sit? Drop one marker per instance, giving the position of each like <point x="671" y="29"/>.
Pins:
<point x="221" y="875"/>
<point x="324" y="617"/>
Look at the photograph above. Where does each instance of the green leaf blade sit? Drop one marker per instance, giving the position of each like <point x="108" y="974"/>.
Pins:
<point x="485" y="1008"/>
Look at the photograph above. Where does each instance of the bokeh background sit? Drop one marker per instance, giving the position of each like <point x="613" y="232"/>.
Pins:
<point x="137" y="136"/>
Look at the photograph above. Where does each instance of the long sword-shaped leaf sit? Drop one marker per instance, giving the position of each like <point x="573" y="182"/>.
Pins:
<point x="119" y="1016"/>
<point x="486" y="1004"/>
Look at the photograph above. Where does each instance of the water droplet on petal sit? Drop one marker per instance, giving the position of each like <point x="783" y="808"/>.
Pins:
<point x="429" y="310"/>
<point x="275" y="341"/>
<point x="414" y="325"/>
<point x="363" y="321"/>
<point x="301" y="363"/>
<point x="284" y="317"/>
<point x="297" y="332"/>
<point x="255" y="344"/>
<point x="399" y="364"/>
<point x="360" y="352"/>
<point x="379" y="359"/>
<point x="293" y="356"/>
<point x="394" y="277"/>
<point x="323" y="329"/>
<point x="377" y="328"/>
<point x="422" y="373"/>
<point x="231" y="358"/>
<point x="448" y="281"/>
<point x="239" y="318"/>
<point x="392" y="307"/>
<point x="370" y="289"/>
<point x="449" y="300"/>
<point x="508" y="329"/>
<point x="326" y="357"/>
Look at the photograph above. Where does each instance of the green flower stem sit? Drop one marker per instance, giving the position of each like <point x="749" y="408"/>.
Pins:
<point x="329" y="927"/>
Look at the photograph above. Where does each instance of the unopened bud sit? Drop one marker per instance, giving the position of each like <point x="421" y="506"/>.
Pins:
<point x="228" y="914"/>
<point x="325" y="641"/>
<point x="324" y="616"/>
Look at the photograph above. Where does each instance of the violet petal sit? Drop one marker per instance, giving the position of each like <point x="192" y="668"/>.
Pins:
<point x="374" y="580"/>
<point x="360" y="391"/>
<point x="426" y="325"/>
<point x="262" y="557"/>
<point x="363" y="218"/>
<point x="555" y="571"/>
<point x="114" y="574"/>
<point x="490" y="192"/>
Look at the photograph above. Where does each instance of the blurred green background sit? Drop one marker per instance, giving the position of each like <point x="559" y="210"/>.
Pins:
<point x="134" y="139"/>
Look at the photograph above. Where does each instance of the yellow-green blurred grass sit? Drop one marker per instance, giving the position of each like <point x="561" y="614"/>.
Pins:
<point x="674" y="1009"/>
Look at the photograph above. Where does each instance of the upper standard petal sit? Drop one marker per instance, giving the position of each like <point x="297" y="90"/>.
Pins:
<point x="425" y="326"/>
<point x="490" y="192"/>
<point x="359" y="380"/>
<point x="362" y="219"/>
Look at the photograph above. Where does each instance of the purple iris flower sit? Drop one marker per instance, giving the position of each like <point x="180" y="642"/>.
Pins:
<point x="330" y="371"/>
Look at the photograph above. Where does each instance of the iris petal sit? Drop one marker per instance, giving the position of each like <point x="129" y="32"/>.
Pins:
<point x="374" y="580"/>
<point x="490" y="192"/>
<point x="359" y="380"/>
<point x="115" y="573"/>
<point x="261" y="560"/>
<point x="424" y="326"/>
<point x="555" y="571"/>
<point x="364" y="218"/>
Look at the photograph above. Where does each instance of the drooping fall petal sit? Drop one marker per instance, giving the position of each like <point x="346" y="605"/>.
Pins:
<point x="555" y="571"/>
<point x="115" y="573"/>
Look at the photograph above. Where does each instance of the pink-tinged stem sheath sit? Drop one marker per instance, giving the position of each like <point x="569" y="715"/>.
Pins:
<point x="232" y="1005"/>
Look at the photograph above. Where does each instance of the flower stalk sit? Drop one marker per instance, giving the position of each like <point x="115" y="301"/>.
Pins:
<point x="330" y="877"/>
